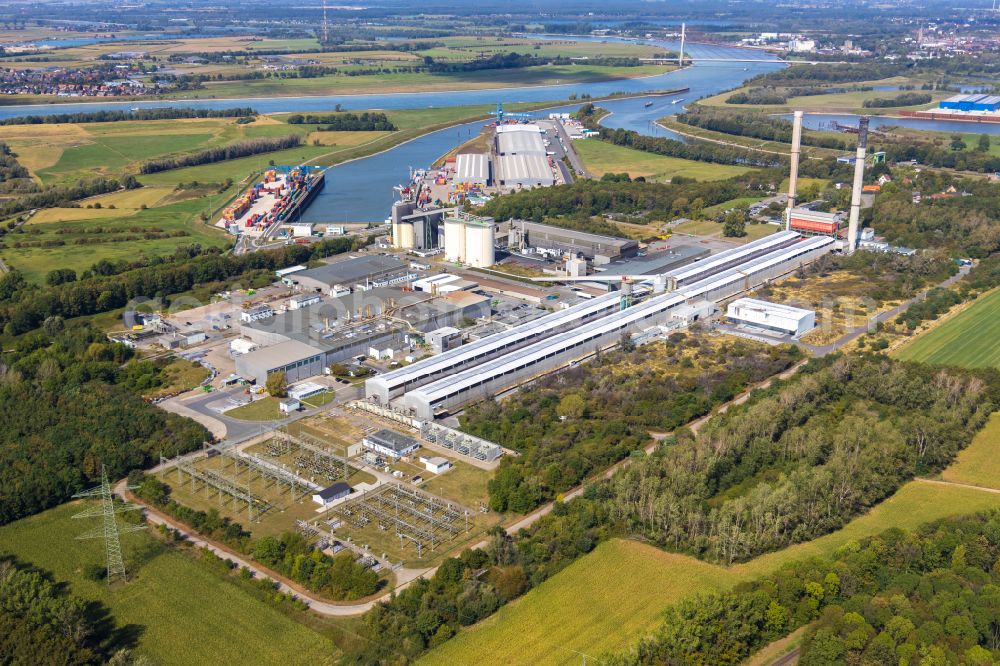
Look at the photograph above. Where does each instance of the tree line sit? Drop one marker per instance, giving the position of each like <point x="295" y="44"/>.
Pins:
<point x="14" y="177"/>
<point x="168" y="113"/>
<point x="290" y="554"/>
<point x="590" y="416"/>
<point x="755" y="125"/>
<point x="803" y="458"/>
<point x="232" y="151"/>
<point x="927" y="596"/>
<point x="367" y="121"/>
<point x="700" y="151"/>
<point x="904" y="99"/>
<point x="25" y="306"/>
<point x="65" y="195"/>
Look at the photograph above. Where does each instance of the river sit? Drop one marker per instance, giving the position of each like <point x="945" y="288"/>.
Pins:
<point x="361" y="190"/>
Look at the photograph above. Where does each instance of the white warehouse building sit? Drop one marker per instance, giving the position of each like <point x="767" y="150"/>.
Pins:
<point x="774" y="317"/>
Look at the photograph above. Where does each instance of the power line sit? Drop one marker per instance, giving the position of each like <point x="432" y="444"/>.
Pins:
<point x="109" y="529"/>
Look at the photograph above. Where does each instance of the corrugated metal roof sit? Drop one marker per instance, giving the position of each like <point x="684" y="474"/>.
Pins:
<point x="280" y="354"/>
<point x="472" y="168"/>
<point x="520" y="143"/>
<point x="533" y="168"/>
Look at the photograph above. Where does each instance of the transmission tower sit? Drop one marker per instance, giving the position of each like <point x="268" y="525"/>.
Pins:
<point x="109" y="530"/>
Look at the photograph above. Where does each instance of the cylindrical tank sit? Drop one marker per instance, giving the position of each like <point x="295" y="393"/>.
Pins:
<point x="479" y="245"/>
<point x="454" y="239"/>
<point x="406" y="239"/>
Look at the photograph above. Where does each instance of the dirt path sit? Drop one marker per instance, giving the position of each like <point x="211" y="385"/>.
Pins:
<point x="942" y="482"/>
<point x="404" y="577"/>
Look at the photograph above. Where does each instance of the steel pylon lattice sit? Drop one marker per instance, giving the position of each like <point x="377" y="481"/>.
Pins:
<point x="109" y="530"/>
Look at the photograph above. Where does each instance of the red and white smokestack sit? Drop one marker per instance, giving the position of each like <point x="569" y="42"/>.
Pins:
<point x="859" y="180"/>
<point x="793" y="175"/>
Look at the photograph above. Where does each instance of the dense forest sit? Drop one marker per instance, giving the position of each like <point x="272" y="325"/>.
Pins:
<point x="926" y="597"/>
<point x="168" y="113"/>
<point x="638" y="200"/>
<point x="585" y="418"/>
<point x="231" y="151"/>
<point x="41" y="623"/>
<point x="800" y="460"/>
<point x="346" y="122"/>
<point x="66" y="409"/>
<point x="24" y="306"/>
<point x="963" y="221"/>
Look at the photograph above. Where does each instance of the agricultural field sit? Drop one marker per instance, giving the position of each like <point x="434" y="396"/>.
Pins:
<point x="558" y="620"/>
<point x="600" y="157"/>
<point x="175" y="610"/>
<point x="970" y="339"/>
<point x="979" y="464"/>
<point x="599" y="603"/>
<point x="673" y="125"/>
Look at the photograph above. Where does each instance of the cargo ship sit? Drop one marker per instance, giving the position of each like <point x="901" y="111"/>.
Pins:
<point x="283" y="193"/>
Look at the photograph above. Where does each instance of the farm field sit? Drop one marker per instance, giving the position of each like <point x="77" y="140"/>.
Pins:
<point x="175" y="609"/>
<point x="601" y="157"/>
<point x="979" y="464"/>
<point x="555" y="622"/>
<point x="672" y="124"/>
<point x="970" y="339"/>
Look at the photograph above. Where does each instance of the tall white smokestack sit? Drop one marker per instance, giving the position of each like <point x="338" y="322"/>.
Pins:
<point x="680" y="60"/>
<point x="793" y="175"/>
<point x="859" y="179"/>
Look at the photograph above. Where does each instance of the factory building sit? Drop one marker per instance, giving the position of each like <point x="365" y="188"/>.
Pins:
<point x="300" y="301"/>
<point x="977" y="102"/>
<point x="257" y="312"/>
<point x="416" y="228"/>
<point x="524" y="171"/>
<point x="518" y="140"/>
<point x="390" y="385"/>
<point x="523" y="235"/>
<point x="296" y="359"/>
<point x="470" y="239"/>
<point x="444" y="339"/>
<point x="341" y="328"/>
<point x="390" y="443"/>
<point x="363" y="272"/>
<point x="774" y="317"/>
<point x="503" y="372"/>
<point x="655" y="263"/>
<point x="473" y="168"/>
<point x="808" y="221"/>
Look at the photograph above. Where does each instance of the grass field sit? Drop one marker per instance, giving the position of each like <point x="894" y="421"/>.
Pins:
<point x="601" y="157"/>
<point x="979" y="464"/>
<point x="846" y="102"/>
<point x="180" y="611"/>
<point x="970" y="339"/>
<point x="265" y="409"/>
<point x="713" y="228"/>
<point x="606" y="600"/>
<point x="464" y="484"/>
<point x="180" y="375"/>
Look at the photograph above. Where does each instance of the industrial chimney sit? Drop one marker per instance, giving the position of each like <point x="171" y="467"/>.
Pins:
<point x="793" y="176"/>
<point x="859" y="179"/>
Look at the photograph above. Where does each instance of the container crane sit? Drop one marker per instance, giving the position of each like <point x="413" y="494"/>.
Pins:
<point x="502" y="115"/>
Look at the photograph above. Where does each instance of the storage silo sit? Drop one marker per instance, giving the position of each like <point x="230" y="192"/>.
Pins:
<point x="454" y="239"/>
<point x="479" y="242"/>
<point x="406" y="238"/>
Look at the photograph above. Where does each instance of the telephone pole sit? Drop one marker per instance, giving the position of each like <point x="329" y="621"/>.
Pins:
<point x="109" y="529"/>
